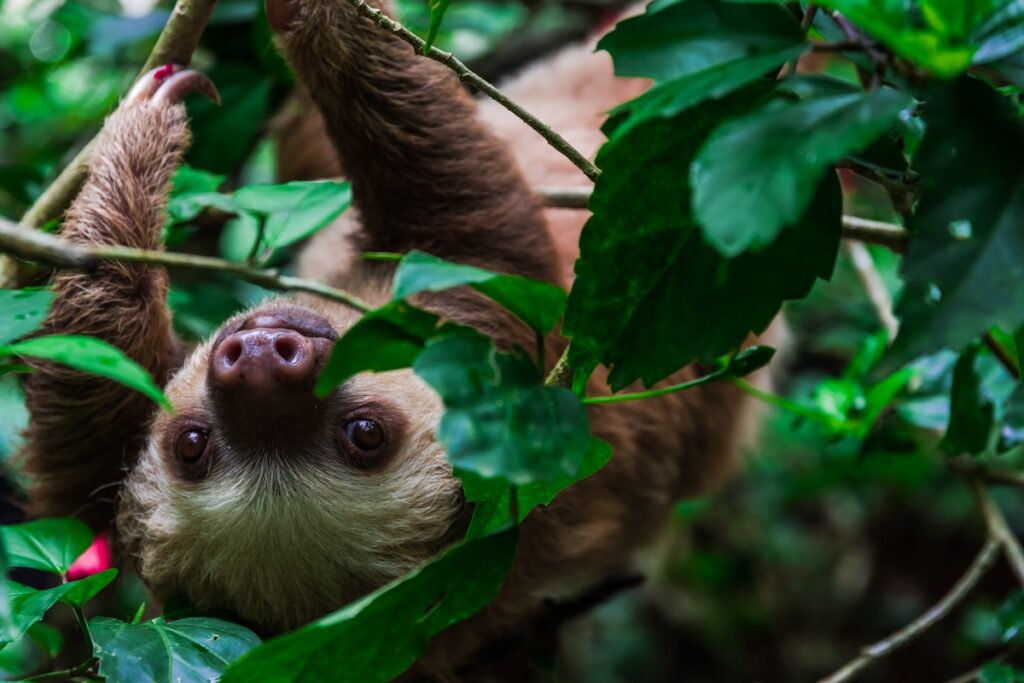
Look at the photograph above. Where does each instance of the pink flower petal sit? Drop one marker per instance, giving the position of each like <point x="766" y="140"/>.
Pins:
<point x="95" y="559"/>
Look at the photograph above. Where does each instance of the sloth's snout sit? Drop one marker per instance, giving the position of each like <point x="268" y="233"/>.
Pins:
<point x="264" y="359"/>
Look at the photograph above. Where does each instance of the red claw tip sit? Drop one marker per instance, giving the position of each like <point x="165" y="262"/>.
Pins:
<point x="163" y="72"/>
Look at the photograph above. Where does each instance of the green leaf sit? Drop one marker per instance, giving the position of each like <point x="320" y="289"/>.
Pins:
<point x="93" y="356"/>
<point x="47" y="638"/>
<point x="387" y="338"/>
<point x="437" y="10"/>
<point x="997" y="672"/>
<point x="492" y="498"/>
<point x="768" y="163"/>
<point x="538" y="304"/>
<point x="22" y="311"/>
<point x="1011" y="617"/>
<point x="970" y="412"/>
<point x="750" y="360"/>
<point x="676" y="96"/>
<point x="378" y="637"/>
<point x="1000" y="40"/>
<point x="689" y="37"/>
<point x="84" y="590"/>
<point x="192" y="191"/>
<point x="891" y="22"/>
<point x="51" y="545"/>
<point x="641" y="256"/>
<point x="499" y="420"/>
<point x="28" y="605"/>
<point x="961" y="271"/>
<point x="184" y="651"/>
<point x="295" y="210"/>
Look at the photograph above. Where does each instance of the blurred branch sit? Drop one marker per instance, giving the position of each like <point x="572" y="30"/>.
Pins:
<point x="874" y="286"/>
<point x="1003" y="355"/>
<point x="39" y="246"/>
<point x="561" y="374"/>
<point x="471" y="78"/>
<point x="889" y="235"/>
<point x="175" y="45"/>
<point x="983" y="561"/>
<point x="999" y="529"/>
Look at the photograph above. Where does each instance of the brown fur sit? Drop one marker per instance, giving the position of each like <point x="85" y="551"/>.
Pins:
<point x="281" y="544"/>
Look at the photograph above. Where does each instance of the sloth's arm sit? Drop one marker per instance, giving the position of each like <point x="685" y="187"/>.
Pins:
<point x="84" y="430"/>
<point x="425" y="173"/>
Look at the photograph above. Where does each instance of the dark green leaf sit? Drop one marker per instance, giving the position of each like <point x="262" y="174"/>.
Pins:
<point x="387" y="338"/>
<point x="998" y="672"/>
<point x="51" y="545"/>
<point x="223" y="135"/>
<point x="1011" y="429"/>
<point x="84" y="590"/>
<point x="768" y="163"/>
<point x="378" y="637"/>
<point x="961" y="270"/>
<point x="22" y="311"/>
<point x="499" y="420"/>
<point x="492" y="498"/>
<point x="93" y="356"/>
<point x="692" y="36"/>
<point x="190" y="650"/>
<point x="970" y="412"/>
<point x="538" y="304"/>
<point x="1011" y="618"/>
<point x="750" y="359"/>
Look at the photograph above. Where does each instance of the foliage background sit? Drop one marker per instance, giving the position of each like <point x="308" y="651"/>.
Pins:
<point x="825" y="543"/>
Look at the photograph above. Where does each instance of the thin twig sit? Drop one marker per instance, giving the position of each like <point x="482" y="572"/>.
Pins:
<point x="561" y="374"/>
<point x="467" y="76"/>
<point x="983" y="561"/>
<point x="662" y="391"/>
<point x="874" y="286"/>
<point x="83" y="669"/>
<point x="999" y="529"/>
<point x="989" y="475"/>
<point x="39" y="246"/>
<point x="1002" y="354"/>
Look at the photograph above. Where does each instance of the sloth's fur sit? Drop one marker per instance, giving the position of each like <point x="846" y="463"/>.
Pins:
<point x="279" y="537"/>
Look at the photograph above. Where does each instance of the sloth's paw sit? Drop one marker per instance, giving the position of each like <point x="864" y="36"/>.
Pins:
<point x="169" y="85"/>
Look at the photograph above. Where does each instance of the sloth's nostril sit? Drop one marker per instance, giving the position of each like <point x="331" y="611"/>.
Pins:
<point x="287" y="348"/>
<point x="231" y="351"/>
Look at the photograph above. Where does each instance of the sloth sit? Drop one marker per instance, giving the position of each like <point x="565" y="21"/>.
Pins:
<point x="253" y="496"/>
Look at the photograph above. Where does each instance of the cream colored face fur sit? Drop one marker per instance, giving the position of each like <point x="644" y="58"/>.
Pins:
<point x="281" y="537"/>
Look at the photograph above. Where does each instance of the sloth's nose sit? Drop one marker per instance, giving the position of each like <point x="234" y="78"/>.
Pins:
<point x="264" y="360"/>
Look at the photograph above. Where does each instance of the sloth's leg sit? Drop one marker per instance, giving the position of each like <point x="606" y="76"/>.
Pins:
<point x="85" y="430"/>
<point x="425" y="173"/>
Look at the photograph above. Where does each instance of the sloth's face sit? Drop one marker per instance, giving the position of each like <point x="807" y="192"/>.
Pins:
<point x="259" y="498"/>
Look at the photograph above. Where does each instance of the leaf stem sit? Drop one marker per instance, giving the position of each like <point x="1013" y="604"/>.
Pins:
<point x="652" y="393"/>
<point x="83" y="669"/>
<point x="788" y="405"/>
<point x="83" y="624"/>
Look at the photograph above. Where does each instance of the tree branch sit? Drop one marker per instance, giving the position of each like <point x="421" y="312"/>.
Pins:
<point x="999" y="529"/>
<point x="39" y="246"/>
<point x="467" y="76"/>
<point x="175" y="45"/>
<point x="889" y="235"/>
<point x="874" y="286"/>
<point x="983" y="561"/>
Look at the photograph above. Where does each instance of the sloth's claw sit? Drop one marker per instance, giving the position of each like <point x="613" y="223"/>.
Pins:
<point x="170" y="83"/>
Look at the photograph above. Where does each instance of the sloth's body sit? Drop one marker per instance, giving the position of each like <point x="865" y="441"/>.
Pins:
<point x="256" y="498"/>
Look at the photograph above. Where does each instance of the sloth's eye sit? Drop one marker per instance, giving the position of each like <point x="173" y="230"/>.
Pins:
<point x="191" y="445"/>
<point x="366" y="435"/>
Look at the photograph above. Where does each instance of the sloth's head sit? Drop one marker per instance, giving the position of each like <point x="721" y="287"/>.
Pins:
<point x="257" y="497"/>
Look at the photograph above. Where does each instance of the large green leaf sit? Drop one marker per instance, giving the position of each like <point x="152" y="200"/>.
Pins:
<point x="642" y="256"/>
<point x="688" y="37"/>
<point x="538" y="304"/>
<point x="192" y="191"/>
<point x="499" y="420"/>
<point x="22" y="311"/>
<point x="93" y="356"/>
<point x="757" y="173"/>
<point x="891" y="22"/>
<point x="963" y="269"/>
<point x="378" y="637"/>
<point x="970" y="411"/>
<point x="492" y="498"/>
<point x="387" y="338"/>
<point x="51" y="545"/>
<point x="192" y="650"/>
